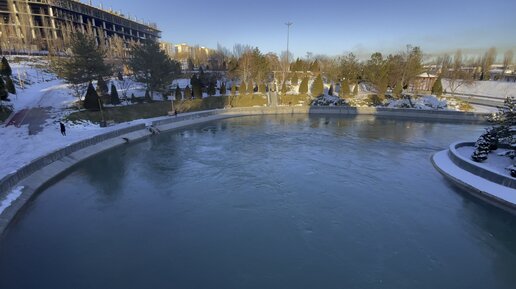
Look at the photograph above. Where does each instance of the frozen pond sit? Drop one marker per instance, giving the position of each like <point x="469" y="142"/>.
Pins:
<point x="265" y="202"/>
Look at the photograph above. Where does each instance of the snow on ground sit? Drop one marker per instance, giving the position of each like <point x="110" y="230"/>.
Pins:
<point x="498" y="89"/>
<point x="11" y="197"/>
<point x="495" y="162"/>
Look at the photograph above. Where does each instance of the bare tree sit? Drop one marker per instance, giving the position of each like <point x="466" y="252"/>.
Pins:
<point x="455" y="74"/>
<point x="507" y="60"/>
<point x="488" y="60"/>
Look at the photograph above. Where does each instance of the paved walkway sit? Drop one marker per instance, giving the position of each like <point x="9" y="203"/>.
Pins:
<point x="34" y="117"/>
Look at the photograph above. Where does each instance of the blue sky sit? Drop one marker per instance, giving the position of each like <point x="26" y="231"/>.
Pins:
<point x="332" y="27"/>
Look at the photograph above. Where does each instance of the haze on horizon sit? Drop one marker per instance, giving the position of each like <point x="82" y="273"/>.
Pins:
<point x="332" y="27"/>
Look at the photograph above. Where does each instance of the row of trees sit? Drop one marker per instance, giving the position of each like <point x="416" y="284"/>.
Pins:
<point x="87" y="62"/>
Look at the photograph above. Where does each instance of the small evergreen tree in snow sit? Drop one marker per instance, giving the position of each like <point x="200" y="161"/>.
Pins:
<point x="3" y="90"/>
<point x="437" y="88"/>
<point x="330" y="91"/>
<point x="233" y="89"/>
<point x="5" y="68"/>
<point x="242" y="89"/>
<point x="223" y="89"/>
<point x="178" y="95"/>
<point x="114" y="95"/>
<point x="482" y="149"/>
<point x="344" y="89"/>
<point x="120" y="76"/>
<point x="315" y="67"/>
<point x="295" y="79"/>
<point x="92" y="99"/>
<point x="317" y="86"/>
<point x="9" y="85"/>
<point x="284" y="88"/>
<point x="197" y="89"/>
<point x="188" y="93"/>
<point x="212" y="90"/>
<point x="303" y="87"/>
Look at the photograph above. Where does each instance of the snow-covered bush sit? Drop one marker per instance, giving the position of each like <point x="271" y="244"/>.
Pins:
<point x="327" y="100"/>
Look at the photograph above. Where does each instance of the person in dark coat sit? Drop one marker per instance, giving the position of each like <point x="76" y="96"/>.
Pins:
<point x="63" y="128"/>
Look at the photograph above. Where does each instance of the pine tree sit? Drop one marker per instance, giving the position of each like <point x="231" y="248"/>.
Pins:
<point x="233" y="89"/>
<point x="92" y="99"/>
<point x="284" y="88"/>
<point x="250" y="87"/>
<point x="102" y="88"/>
<point x="188" y="93"/>
<point x="9" y="85"/>
<point x="114" y="95"/>
<point x="315" y="67"/>
<point x="178" y="95"/>
<point x="437" y="88"/>
<point x="330" y="91"/>
<point x="3" y="91"/>
<point x="303" y="87"/>
<point x="194" y="80"/>
<point x="398" y="90"/>
<point x="120" y="76"/>
<point x="295" y="79"/>
<point x="5" y="68"/>
<point x="197" y="90"/>
<point x="344" y="89"/>
<point x="355" y="89"/>
<point x="242" y="89"/>
<point x="212" y="90"/>
<point x="481" y="149"/>
<point x="317" y="87"/>
<point x="223" y="89"/>
<point x="262" y="88"/>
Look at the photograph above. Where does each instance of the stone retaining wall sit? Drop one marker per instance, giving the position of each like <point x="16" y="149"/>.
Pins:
<point x="475" y="169"/>
<point x="9" y="181"/>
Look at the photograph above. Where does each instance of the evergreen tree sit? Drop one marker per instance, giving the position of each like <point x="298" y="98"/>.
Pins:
<point x="197" y="89"/>
<point x="188" y="93"/>
<point x="437" y="88"/>
<point x="5" y="68"/>
<point x="344" y="89"/>
<point x="120" y="76"/>
<point x="212" y="90"/>
<point x="242" y="89"/>
<point x="303" y="87"/>
<point x="102" y="88"/>
<point x="92" y="99"/>
<point x="153" y="66"/>
<point x="250" y="87"/>
<point x="178" y="95"/>
<point x="9" y="85"/>
<point x="318" y="87"/>
<point x="262" y="88"/>
<point x="3" y="91"/>
<point x="481" y="149"/>
<point x="233" y="89"/>
<point x="295" y="79"/>
<point x="355" y="89"/>
<point x="398" y="90"/>
<point x="315" y="67"/>
<point x="133" y="98"/>
<point x="114" y="95"/>
<point x="194" y="80"/>
<point x="223" y="89"/>
<point x="203" y="78"/>
<point x="284" y="88"/>
<point x="330" y="91"/>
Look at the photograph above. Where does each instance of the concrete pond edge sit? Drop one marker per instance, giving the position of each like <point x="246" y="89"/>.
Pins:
<point x="33" y="177"/>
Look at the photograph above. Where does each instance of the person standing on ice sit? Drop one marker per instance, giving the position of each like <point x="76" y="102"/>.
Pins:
<point x="63" y="128"/>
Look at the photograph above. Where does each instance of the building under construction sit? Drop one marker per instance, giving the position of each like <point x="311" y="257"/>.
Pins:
<point x="46" y="25"/>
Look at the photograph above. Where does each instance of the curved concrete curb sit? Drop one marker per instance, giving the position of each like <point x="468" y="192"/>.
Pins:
<point x="470" y="166"/>
<point x="490" y="192"/>
<point x="34" y="176"/>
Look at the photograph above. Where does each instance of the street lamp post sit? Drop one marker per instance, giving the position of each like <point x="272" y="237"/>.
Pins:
<point x="288" y="42"/>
